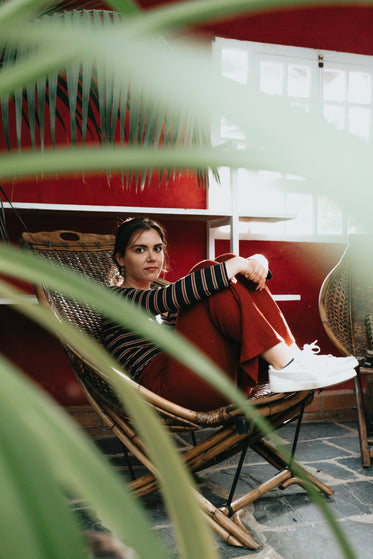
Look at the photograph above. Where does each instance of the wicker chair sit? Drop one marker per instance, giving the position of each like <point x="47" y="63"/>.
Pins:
<point x="221" y="433"/>
<point x="346" y="311"/>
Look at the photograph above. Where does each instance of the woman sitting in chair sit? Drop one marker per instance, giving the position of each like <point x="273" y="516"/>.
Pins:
<point x="225" y="309"/>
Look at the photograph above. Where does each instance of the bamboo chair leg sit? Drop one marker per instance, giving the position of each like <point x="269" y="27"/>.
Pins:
<point x="364" y="449"/>
<point x="226" y="521"/>
<point x="266" y="450"/>
<point x="236" y="530"/>
<point x="369" y="410"/>
<point x="204" y="454"/>
<point x="259" y="491"/>
<point x="224" y="534"/>
<point x="231" y="531"/>
<point x="369" y="400"/>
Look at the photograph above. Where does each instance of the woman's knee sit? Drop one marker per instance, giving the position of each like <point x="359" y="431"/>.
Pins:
<point x="206" y="263"/>
<point x="226" y="256"/>
<point x="203" y="264"/>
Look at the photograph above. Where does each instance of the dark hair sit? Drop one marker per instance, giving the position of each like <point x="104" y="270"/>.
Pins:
<point x="133" y="225"/>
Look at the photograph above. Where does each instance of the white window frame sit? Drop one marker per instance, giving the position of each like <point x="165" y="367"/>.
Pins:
<point x="318" y="61"/>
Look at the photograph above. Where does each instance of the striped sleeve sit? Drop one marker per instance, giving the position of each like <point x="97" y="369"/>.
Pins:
<point x="185" y="291"/>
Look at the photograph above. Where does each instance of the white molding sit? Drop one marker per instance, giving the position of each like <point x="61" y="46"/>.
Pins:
<point x="192" y="213"/>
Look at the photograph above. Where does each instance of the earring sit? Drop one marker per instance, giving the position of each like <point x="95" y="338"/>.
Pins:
<point x="122" y="270"/>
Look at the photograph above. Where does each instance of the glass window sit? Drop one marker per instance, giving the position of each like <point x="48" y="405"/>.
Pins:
<point x="329" y="217"/>
<point x="299" y="80"/>
<point x="334" y="82"/>
<point x="336" y="115"/>
<point x="230" y="131"/>
<point x="343" y="87"/>
<point x="271" y="78"/>
<point x="359" y="87"/>
<point x="300" y="205"/>
<point x="234" y="64"/>
<point x="359" y="121"/>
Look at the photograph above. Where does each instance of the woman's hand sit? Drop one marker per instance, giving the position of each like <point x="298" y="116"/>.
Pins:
<point x="257" y="270"/>
<point x="254" y="268"/>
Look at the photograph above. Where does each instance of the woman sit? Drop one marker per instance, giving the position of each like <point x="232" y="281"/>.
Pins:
<point x="224" y="308"/>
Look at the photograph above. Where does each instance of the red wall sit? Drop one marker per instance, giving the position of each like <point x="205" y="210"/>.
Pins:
<point x="97" y="190"/>
<point x="36" y="352"/>
<point x="41" y="356"/>
<point x="345" y="28"/>
<point x="341" y="28"/>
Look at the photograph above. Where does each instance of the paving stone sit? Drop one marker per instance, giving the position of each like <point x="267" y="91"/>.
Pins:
<point x="305" y="541"/>
<point x="287" y="523"/>
<point x="354" y="463"/>
<point x="319" y="450"/>
<point x="350" y="443"/>
<point x="333" y="472"/>
<point x="286" y="510"/>
<point x="353" y="499"/>
<point x="317" y="430"/>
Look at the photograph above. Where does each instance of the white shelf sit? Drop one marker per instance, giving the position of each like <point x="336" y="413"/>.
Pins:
<point x="199" y="214"/>
<point x="133" y="210"/>
<point x="212" y="218"/>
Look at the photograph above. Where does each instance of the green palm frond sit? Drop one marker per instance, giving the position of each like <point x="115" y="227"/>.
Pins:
<point x="99" y="108"/>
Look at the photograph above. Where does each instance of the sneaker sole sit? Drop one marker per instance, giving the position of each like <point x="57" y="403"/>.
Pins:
<point x="278" y="384"/>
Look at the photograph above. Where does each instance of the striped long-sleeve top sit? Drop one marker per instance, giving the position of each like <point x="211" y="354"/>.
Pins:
<point x="132" y="351"/>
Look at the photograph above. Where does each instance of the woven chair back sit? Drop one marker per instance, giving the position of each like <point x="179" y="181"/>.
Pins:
<point x="88" y="254"/>
<point x="346" y="298"/>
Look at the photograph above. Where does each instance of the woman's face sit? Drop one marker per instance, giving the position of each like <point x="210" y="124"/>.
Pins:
<point x="143" y="259"/>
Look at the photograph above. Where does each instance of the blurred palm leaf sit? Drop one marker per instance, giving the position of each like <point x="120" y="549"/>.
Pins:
<point x="99" y="109"/>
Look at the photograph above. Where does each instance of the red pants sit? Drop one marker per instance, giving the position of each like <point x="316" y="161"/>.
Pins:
<point x="233" y="327"/>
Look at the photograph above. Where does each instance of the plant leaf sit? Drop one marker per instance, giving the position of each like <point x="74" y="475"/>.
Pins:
<point x="31" y="498"/>
<point x="164" y="454"/>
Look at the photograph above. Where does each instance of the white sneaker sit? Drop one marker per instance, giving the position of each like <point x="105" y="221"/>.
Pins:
<point x="310" y="351"/>
<point x="309" y="371"/>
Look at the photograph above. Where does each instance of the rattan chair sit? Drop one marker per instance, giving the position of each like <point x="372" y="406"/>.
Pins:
<point x="221" y="433"/>
<point x="346" y="311"/>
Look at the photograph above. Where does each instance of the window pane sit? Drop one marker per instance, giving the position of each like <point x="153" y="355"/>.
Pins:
<point x="359" y="87"/>
<point x="304" y="106"/>
<point x="353" y="226"/>
<point x="259" y="199"/>
<point x="334" y="85"/>
<point x="230" y="130"/>
<point x="269" y="175"/>
<point x="271" y="77"/>
<point x="359" y="122"/>
<point x="335" y="114"/>
<point x="329" y="217"/>
<point x="299" y="80"/>
<point x="344" y="89"/>
<point x="271" y="229"/>
<point x="300" y="205"/>
<point x="219" y="193"/>
<point x="234" y="64"/>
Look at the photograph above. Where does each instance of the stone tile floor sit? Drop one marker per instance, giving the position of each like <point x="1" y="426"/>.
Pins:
<point x="287" y="523"/>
